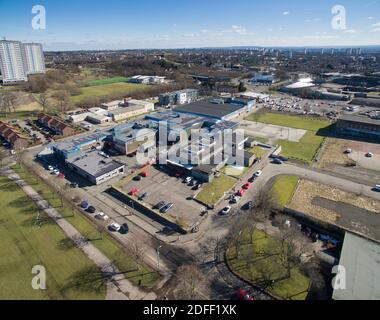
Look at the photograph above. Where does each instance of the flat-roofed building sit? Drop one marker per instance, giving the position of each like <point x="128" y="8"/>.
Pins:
<point x="96" y="167"/>
<point x="357" y="125"/>
<point x="131" y="109"/>
<point x="360" y="259"/>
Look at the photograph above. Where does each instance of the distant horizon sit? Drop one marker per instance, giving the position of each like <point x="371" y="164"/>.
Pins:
<point x="88" y="25"/>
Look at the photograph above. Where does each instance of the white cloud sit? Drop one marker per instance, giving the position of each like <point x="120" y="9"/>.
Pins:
<point x="285" y="13"/>
<point x="350" y="31"/>
<point x="376" y="25"/>
<point x="239" y="29"/>
<point x="376" y="30"/>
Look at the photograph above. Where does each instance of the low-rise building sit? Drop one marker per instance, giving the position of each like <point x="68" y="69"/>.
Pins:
<point x="357" y="125"/>
<point x="132" y="108"/>
<point x="96" y="167"/>
<point x="56" y="125"/>
<point x="147" y="79"/>
<point x="13" y="137"/>
<point x="178" y="97"/>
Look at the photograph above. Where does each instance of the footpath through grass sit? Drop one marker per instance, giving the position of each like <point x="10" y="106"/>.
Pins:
<point x="260" y="263"/>
<point x="24" y="244"/>
<point x="306" y="149"/>
<point x="283" y="189"/>
<point x="123" y="259"/>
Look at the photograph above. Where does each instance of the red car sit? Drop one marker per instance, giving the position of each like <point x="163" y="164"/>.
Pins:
<point x="134" y="192"/>
<point x="144" y="174"/>
<point x="244" y="295"/>
<point x="242" y="192"/>
<point x="247" y="186"/>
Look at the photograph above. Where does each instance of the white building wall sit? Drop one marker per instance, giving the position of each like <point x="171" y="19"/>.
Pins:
<point x="34" y="58"/>
<point x="12" y="62"/>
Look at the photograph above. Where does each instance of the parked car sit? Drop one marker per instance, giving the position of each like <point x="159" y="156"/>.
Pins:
<point x="159" y="205"/>
<point x="91" y="209"/>
<point x="235" y="200"/>
<point x="124" y="228"/>
<point x="377" y="188"/>
<point x="74" y="185"/>
<point x="243" y="295"/>
<point x="137" y="178"/>
<point x="277" y="161"/>
<point x="247" y="186"/>
<point x="50" y="168"/>
<point x="225" y="211"/>
<point x="188" y="179"/>
<point x="84" y="205"/>
<point x="115" y="227"/>
<point x="369" y="155"/>
<point x="258" y="173"/>
<point x="102" y="216"/>
<point x="166" y="208"/>
<point x="56" y="172"/>
<point x="283" y="159"/>
<point x="143" y="196"/>
<point x="248" y="206"/>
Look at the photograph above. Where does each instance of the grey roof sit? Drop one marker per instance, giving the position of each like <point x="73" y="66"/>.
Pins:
<point x="361" y="259"/>
<point x="209" y="109"/>
<point x="95" y="164"/>
<point x="361" y="119"/>
<point x="127" y="109"/>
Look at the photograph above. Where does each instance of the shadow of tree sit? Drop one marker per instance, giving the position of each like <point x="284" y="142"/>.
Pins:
<point x="89" y="279"/>
<point x="66" y="244"/>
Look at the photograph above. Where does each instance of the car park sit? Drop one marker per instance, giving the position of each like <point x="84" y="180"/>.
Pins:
<point x="115" y="227"/>
<point x="225" y="211"/>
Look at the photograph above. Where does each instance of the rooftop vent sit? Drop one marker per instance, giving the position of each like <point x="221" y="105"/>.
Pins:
<point x="217" y="101"/>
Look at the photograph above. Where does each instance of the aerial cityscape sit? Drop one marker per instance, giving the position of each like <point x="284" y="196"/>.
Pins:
<point x="154" y="151"/>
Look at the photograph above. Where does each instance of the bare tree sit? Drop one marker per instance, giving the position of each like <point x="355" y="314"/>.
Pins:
<point x="138" y="251"/>
<point x="192" y="284"/>
<point x="43" y="99"/>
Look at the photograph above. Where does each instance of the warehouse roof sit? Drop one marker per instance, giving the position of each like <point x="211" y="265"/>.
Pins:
<point x="361" y="119"/>
<point x="361" y="259"/>
<point x="216" y="108"/>
<point x="95" y="164"/>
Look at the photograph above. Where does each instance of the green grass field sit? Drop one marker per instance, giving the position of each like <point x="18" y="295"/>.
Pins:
<point x="107" y="245"/>
<point x="265" y="257"/>
<point x="100" y="82"/>
<point x="107" y="90"/>
<point x="24" y="245"/>
<point x="306" y="149"/>
<point x="297" y="122"/>
<point x="20" y="115"/>
<point x="283" y="189"/>
<point x="216" y="190"/>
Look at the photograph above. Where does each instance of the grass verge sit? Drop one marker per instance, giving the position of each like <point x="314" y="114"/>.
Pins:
<point x="253" y="261"/>
<point x="146" y="277"/>
<point x="283" y="189"/>
<point x="215" y="190"/>
<point x="25" y="244"/>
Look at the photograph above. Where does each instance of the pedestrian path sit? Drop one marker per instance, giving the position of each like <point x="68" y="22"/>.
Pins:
<point x="118" y="288"/>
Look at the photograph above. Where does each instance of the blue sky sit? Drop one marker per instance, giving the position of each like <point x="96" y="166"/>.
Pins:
<point x="119" y="24"/>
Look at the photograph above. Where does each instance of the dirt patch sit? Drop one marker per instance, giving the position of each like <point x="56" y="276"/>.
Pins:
<point x="307" y="191"/>
<point x="334" y="153"/>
